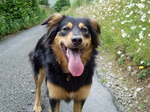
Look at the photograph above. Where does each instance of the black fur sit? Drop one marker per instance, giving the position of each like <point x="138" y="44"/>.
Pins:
<point x="53" y="104"/>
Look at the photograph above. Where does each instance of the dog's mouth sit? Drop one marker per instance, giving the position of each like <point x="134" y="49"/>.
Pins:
<point x="73" y="55"/>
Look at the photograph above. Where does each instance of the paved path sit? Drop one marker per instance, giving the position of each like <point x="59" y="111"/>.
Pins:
<point x="16" y="80"/>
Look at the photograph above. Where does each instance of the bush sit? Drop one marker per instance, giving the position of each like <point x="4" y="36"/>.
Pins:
<point x="58" y="6"/>
<point x="16" y="15"/>
<point x="44" y="2"/>
<point x="65" y="8"/>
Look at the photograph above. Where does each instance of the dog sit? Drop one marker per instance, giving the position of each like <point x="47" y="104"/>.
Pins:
<point x="65" y="58"/>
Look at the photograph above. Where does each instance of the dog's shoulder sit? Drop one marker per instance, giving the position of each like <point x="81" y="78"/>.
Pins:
<point x="41" y="42"/>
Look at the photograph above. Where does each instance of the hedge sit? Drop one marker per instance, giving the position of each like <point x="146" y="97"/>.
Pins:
<point x="18" y="14"/>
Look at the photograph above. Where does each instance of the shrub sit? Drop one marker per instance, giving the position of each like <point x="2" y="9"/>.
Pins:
<point x="16" y="15"/>
<point x="44" y="2"/>
<point x="60" y="4"/>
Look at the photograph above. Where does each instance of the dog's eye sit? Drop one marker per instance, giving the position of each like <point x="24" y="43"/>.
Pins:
<point x="84" y="29"/>
<point x="66" y="29"/>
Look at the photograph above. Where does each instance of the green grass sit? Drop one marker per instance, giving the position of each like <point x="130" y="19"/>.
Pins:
<point x="125" y="26"/>
<point x="103" y="80"/>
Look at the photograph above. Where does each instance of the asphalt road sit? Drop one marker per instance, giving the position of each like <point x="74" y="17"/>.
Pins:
<point x="17" y="84"/>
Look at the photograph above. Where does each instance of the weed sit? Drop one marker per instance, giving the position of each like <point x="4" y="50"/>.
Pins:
<point x="102" y="80"/>
<point x="121" y="60"/>
<point x="142" y="106"/>
<point x="143" y="74"/>
<point x="103" y="70"/>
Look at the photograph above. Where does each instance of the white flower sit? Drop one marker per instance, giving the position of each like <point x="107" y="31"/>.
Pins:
<point x="141" y="62"/>
<point x="137" y="40"/>
<point x="149" y="34"/>
<point x="140" y="5"/>
<point x="143" y="17"/>
<point x="148" y="12"/>
<point x="113" y="21"/>
<point x="133" y="27"/>
<point x="122" y="55"/>
<point x="142" y="0"/>
<point x="118" y="19"/>
<point x="144" y="28"/>
<point x="140" y="44"/>
<point x="149" y="20"/>
<point x="138" y="49"/>
<point x="113" y="28"/>
<point x="119" y="52"/>
<point x="122" y="22"/>
<point x="94" y="16"/>
<point x="127" y="16"/>
<point x="129" y="68"/>
<point x="124" y="34"/>
<point x="141" y="35"/>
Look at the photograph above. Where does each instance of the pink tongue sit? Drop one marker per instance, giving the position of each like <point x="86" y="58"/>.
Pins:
<point x="75" y="65"/>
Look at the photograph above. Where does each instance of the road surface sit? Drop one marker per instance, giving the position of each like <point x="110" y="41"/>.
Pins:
<point x="17" y="85"/>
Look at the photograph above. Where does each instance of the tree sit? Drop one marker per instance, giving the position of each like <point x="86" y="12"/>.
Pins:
<point x="58" y="6"/>
<point x="44" y="2"/>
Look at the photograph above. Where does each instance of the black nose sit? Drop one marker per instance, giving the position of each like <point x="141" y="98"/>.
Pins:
<point x="76" y="40"/>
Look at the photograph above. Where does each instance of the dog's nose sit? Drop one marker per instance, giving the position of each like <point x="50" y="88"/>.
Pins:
<point x="77" y="40"/>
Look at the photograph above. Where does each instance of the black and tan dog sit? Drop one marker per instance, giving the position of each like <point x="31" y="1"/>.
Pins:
<point x="65" y="57"/>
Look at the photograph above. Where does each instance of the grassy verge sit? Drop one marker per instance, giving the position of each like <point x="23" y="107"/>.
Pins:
<point x="125" y="30"/>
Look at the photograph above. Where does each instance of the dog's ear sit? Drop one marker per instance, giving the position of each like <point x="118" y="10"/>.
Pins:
<point x="53" y="20"/>
<point x="95" y="32"/>
<point x="95" y="25"/>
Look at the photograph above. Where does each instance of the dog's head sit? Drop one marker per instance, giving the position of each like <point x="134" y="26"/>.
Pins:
<point x="72" y="41"/>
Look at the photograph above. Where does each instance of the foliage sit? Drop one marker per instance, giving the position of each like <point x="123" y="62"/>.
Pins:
<point x="65" y="8"/>
<point x="44" y="2"/>
<point x="60" y="4"/>
<point x="16" y="15"/>
<point x="125" y="27"/>
<point x="77" y="3"/>
<point x="143" y="74"/>
<point x="121" y="60"/>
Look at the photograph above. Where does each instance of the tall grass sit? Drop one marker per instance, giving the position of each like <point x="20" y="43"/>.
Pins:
<point x="125" y="27"/>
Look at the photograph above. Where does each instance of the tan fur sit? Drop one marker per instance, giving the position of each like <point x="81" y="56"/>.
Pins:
<point x="60" y="57"/>
<point x="77" y="106"/>
<point x="53" y="20"/>
<point x="67" y="42"/>
<point x="38" y="81"/>
<point x="81" y="25"/>
<point x="94" y="24"/>
<point x="70" y="25"/>
<point x="57" y="92"/>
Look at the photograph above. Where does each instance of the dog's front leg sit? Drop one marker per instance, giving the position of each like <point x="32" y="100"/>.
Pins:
<point x="55" y="104"/>
<point x="78" y="105"/>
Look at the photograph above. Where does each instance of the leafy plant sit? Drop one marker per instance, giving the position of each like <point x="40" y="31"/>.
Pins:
<point x="121" y="60"/>
<point x="143" y="74"/>
<point x="16" y="15"/>
<point x="60" y="4"/>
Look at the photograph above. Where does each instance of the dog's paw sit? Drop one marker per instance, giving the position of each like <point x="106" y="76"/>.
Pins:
<point x="37" y="109"/>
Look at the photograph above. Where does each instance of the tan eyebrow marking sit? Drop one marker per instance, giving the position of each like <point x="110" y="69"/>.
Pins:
<point x="69" y="24"/>
<point x="81" y="25"/>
